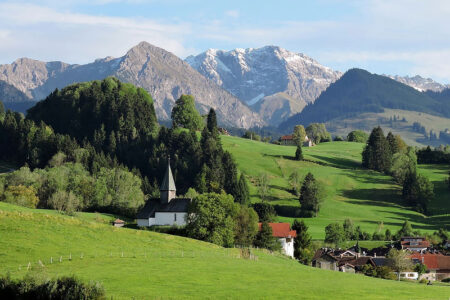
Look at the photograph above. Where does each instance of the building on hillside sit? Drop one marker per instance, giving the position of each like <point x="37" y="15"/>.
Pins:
<point x="118" y="223"/>
<point x="447" y="244"/>
<point x="288" y="140"/>
<point x="284" y="234"/>
<point x="438" y="265"/>
<point x="347" y="261"/>
<point x="168" y="210"/>
<point x="223" y="131"/>
<point x="416" y="244"/>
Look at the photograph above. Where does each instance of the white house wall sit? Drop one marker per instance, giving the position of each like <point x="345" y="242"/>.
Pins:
<point x="288" y="247"/>
<point x="145" y="222"/>
<point x="169" y="218"/>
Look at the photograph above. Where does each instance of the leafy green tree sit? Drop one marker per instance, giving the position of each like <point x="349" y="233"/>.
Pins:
<point x="299" y="135"/>
<point x="396" y="143"/>
<point x="334" y="233"/>
<point x="318" y="133"/>
<point x="184" y="114"/>
<point x="357" y="136"/>
<point x="263" y="186"/>
<point x="65" y="202"/>
<point x="399" y="261"/>
<point x="295" y="181"/>
<point x="243" y="195"/>
<point x="265" y="238"/>
<point x="21" y="195"/>
<point x="265" y="211"/>
<point x="403" y="164"/>
<point x="418" y="191"/>
<point x="349" y="229"/>
<point x="246" y="227"/>
<point x="211" y="218"/>
<point x="302" y="242"/>
<point x="377" y="153"/>
<point x="299" y="153"/>
<point x="406" y="230"/>
<point x="420" y="268"/>
<point x="309" y="197"/>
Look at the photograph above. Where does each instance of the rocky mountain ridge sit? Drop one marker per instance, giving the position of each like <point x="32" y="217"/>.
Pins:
<point x="161" y="73"/>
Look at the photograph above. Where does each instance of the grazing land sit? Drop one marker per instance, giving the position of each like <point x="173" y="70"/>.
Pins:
<point x="365" y="196"/>
<point x="142" y="264"/>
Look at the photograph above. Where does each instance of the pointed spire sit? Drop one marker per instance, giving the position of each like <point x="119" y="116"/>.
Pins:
<point x="168" y="184"/>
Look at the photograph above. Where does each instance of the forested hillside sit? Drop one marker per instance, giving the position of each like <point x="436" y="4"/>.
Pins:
<point x="359" y="91"/>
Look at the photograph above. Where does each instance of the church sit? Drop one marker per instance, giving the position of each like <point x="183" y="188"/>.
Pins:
<point x="168" y="210"/>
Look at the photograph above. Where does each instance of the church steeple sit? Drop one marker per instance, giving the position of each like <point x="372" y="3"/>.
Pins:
<point x="168" y="189"/>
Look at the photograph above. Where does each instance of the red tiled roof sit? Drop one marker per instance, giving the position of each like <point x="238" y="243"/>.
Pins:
<point x="280" y="229"/>
<point x="287" y="137"/>
<point x="118" y="221"/>
<point x="430" y="260"/>
<point x="422" y="244"/>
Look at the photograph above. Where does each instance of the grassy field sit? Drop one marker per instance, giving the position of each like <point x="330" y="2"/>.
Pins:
<point x="367" y="121"/>
<point x="147" y="265"/>
<point x="366" y="197"/>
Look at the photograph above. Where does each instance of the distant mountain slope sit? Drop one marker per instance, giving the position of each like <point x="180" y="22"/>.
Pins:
<point x="359" y="91"/>
<point x="254" y="74"/>
<point x="420" y="83"/>
<point x="161" y="73"/>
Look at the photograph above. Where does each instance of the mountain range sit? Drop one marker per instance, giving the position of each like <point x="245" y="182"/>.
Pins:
<point x="161" y="73"/>
<point x="275" y="82"/>
<point x="251" y="87"/>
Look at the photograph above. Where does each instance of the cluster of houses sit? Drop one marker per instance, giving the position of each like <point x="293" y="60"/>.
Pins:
<point x="353" y="260"/>
<point x="170" y="210"/>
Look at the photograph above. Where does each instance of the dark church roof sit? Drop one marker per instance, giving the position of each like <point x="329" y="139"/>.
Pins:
<point x="154" y="205"/>
<point x="168" y="184"/>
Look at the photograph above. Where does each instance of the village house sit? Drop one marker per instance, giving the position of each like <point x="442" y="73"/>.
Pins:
<point x="416" y="244"/>
<point x="438" y="265"/>
<point x="288" y="140"/>
<point x="347" y="261"/>
<point x="168" y="210"/>
<point x="284" y="234"/>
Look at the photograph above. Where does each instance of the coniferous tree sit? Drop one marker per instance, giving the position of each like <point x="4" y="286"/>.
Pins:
<point x="243" y="196"/>
<point x="390" y="138"/>
<point x="309" y="197"/>
<point x="265" y="239"/>
<point x="299" y="153"/>
<point x="418" y="191"/>
<point x="231" y="183"/>
<point x="211" y="124"/>
<point x="302" y="242"/>
<point x="377" y="153"/>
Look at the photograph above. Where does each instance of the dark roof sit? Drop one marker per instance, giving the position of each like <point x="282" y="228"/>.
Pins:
<point x="154" y="205"/>
<point x="168" y="184"/>
<point x="381" y="261"/>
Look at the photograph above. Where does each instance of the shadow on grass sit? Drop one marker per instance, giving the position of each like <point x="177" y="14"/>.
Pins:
<point x="377" y="197"/>
<point x="288" y="211"/>
<point x="337" y="162"/>
<point x="288" y="157"/>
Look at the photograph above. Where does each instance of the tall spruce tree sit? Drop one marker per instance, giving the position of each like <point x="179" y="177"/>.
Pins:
<point x="243" y="195"/>
<point x="230" y="184"/>
<point x="390" y="138"/>
<point x="211" y="124"/>
<point x="377" y="153"/>
<point x="309" y="197"/>
<point x="302" y="242"/>
<point x="299" y="153"/>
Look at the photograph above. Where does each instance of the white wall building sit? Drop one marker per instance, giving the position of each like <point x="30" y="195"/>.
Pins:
<point x="285" y="236"/>
<point x="168" y="210"/>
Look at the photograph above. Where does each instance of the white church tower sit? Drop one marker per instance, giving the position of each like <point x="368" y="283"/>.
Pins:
<point x="168" y="189"/>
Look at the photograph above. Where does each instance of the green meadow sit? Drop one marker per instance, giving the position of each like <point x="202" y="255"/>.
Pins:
<point x="349" y="191"/>
<point x="137" y="264"/>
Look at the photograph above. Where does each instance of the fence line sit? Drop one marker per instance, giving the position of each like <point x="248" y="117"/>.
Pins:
<point x="40" y="264"/>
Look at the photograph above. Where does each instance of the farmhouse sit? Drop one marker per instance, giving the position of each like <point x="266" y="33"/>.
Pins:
<point x="288" y="140"/>
<point x="168" y="210"/>
<point x="416" y="244"/>
<point x="347" y="261"/>
<point x="285" y="236"/>
<point x="438" y="265"/>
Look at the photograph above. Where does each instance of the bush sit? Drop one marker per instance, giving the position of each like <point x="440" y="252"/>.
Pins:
<point x="423" y="280"/>
<point x="21" y="195"/>
<point x="61" y="288"/>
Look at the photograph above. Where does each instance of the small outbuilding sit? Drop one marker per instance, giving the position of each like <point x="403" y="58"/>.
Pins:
<point x="118" y="223"/>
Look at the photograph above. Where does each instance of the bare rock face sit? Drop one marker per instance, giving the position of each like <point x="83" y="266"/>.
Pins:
<point x="421" y="84"/>
<point x="254" y="74"/>
<point x="161" y="73"/>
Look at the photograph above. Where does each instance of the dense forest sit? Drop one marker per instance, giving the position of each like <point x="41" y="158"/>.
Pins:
<point x="109" y="124"/>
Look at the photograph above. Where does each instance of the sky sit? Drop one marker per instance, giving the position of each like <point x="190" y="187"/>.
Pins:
<point x="401" y="37"/>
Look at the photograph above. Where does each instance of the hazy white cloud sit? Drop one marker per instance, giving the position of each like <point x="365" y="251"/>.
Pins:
<point x="232" y="13"/>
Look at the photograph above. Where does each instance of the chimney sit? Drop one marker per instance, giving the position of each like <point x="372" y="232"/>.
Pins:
<point x="168" y="189"/>
<point x="374" y="254"/>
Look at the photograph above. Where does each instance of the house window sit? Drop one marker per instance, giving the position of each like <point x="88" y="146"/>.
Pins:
<point x="175" y="217"/>
<point x="410" y="275"/>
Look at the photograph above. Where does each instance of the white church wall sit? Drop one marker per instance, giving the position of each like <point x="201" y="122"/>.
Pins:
<point x="170" y="218"/>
